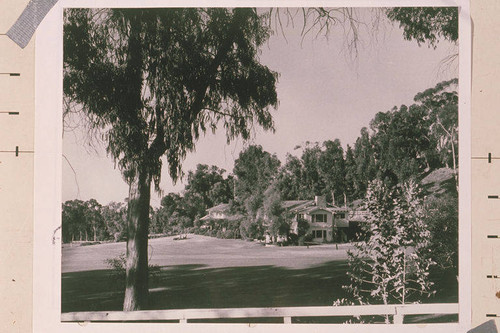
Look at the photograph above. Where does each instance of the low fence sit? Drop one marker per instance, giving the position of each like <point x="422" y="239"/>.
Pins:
<point x="287" y="313"/>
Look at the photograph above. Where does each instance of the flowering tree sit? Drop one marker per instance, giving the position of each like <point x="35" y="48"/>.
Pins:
<point x="392" y="265"/>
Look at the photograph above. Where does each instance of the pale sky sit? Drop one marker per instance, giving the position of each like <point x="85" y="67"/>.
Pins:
<point x="322" y="96"/>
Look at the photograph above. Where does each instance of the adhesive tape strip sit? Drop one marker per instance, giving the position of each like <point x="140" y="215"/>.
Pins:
<point x="487" y="327"/>
<point x="25" y="26"/>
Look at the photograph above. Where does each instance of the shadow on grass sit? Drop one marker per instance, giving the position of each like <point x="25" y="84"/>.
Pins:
<point x="197" y="286"/>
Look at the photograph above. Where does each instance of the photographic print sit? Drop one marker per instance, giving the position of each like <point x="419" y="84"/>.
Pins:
<point x="260" y="165"/>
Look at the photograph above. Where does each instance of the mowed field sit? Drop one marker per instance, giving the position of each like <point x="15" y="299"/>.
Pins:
<point x="209" y="251"/>
<point x="206" y="272"/>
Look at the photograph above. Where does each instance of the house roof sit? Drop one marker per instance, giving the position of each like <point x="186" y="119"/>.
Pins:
<point x="313" y="209"/>
<point x="296" y="204"/>
<point x="219" y="208"/>
<point x="330" y="209"/>
<point x="228" y="218"/>
<point x="356" y="204"/>
<point x="308" y="206"/>
<point x="291" y="203"/>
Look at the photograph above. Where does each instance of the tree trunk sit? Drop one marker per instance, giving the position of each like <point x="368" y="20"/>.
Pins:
<point x="136" y="289"/>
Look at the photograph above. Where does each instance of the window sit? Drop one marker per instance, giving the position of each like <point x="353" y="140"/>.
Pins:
<point x="340" y="215"/>
<point x="319" y="218"/>
<point x="319" y="233"/>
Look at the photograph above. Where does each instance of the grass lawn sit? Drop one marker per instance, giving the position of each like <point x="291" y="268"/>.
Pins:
<point x="205" y="272"/>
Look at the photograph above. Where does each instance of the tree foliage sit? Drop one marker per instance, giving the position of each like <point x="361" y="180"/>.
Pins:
<point x="392" y="266"/>
<point x="351" y="183"/>
<point x="442" y="218"/>
<point x="402" y="142"/>
<point x="254" y="170"/>
<point x="91" y="221"/>
<point x="115" y="217"/>
<point x="210" y="184"/>
<point x="426" y="24"/>
<point x="154" y="79"/>
<point x="441" y="104"/>
<point x="332" y="169"/>
<point x="290" y="179"/>
<point x="275" y="215"/>
<point x="74" y="221"/>
<point x="314" y="184"/>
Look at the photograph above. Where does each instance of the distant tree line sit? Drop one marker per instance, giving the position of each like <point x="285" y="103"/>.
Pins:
<point x="91" y="221"/>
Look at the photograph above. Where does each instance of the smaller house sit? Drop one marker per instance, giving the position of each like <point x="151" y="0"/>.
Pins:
<point x="219" y="212"/>
<point x="218" y="217"/>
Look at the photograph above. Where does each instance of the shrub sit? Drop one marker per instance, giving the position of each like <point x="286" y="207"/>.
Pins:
<point x="154" y="272"/>
<point x="118" y="268"/>
<point x="308" y="238"/>
<point x="293" y="239"/>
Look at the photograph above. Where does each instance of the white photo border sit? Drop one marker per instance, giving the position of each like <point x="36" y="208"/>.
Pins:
<point x="48" y="173"/>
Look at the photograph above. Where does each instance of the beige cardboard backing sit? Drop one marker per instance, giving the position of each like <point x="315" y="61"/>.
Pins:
<point x="16" y="177"/>
<point x="485" y="176"/>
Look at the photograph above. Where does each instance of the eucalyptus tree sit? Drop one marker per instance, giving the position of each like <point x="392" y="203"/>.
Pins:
<point x="151" y="81"/>
<point x="351" y="184"/>
<point x="255" y="169"/>
<point x="310" y="158"/>
<point x="426" y="25"/>
<point x="331" y="168"/>
<point x="441" y="104"/>
<point x="74" y="220"/>
<point x="290" y="179"/>
<point x="209" y="183"/>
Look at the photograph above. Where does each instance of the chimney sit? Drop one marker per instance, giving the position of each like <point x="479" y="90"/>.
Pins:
<point x="320" y="200"/>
